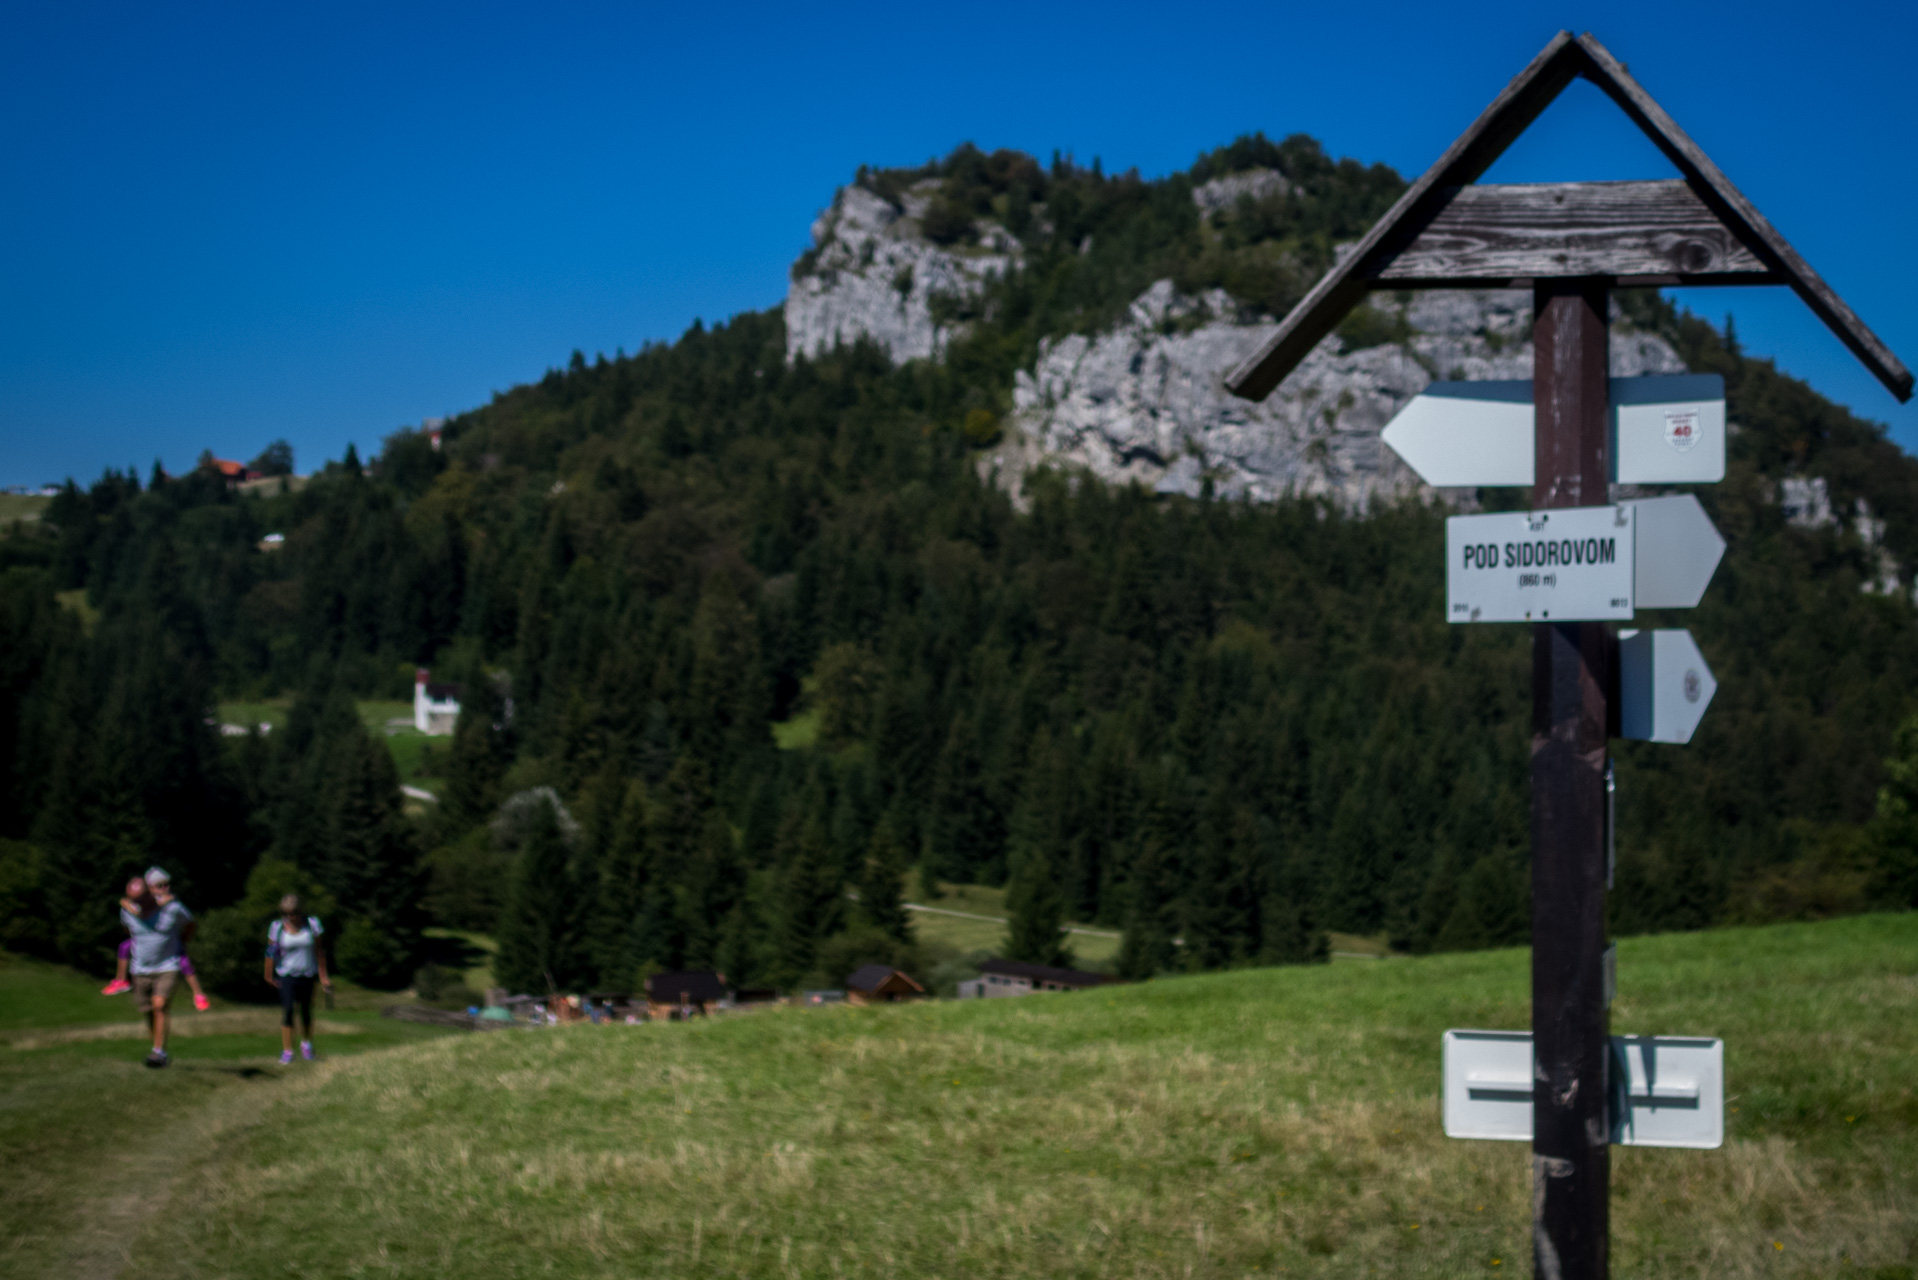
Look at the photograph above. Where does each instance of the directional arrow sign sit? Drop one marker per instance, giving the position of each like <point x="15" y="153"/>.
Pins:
<point x="1678" y="550"/>
<point x="1667" y="429"/>
<point x="1466" y="433"/>
<point x="1664" y="686"/>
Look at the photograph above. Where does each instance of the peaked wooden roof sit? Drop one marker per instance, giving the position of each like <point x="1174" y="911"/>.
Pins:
<point x="1759" y="256"/>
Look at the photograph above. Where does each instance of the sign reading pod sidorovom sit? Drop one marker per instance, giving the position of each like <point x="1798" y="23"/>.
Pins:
<point x="1575" y="563"/>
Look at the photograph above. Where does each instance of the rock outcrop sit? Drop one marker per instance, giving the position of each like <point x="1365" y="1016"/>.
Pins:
<point x="872" y="274"/>
<point x="1222" y="194"/>
<point x="1145" y="401"/>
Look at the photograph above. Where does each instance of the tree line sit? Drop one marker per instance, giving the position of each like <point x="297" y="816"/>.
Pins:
<point x="750" y="652"/>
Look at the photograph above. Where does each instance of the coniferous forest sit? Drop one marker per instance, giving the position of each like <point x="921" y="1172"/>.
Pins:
<point x="751" y="653"/>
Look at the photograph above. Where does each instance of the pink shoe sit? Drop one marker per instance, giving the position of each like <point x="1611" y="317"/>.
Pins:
<point x="201" y="1003"/>
<point x="306" y="1050"/>
<point x="115" y="987"/>
<point x="286" y="1057"/>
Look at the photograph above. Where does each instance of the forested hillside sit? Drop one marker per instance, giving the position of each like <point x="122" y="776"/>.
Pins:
<point x="774" y="644"/>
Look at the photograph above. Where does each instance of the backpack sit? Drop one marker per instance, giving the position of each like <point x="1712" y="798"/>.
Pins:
<point x="273" y="948"/>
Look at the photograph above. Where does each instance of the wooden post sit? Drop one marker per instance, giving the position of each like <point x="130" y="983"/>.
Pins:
<point x="1571" y="668"/>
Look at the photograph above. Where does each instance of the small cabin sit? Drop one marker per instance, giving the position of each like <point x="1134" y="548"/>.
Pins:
<point x="436" y="707"/>
<point x="684" y="994"/>
<point x="999" y="978"/>
<point x="881" y="984"/>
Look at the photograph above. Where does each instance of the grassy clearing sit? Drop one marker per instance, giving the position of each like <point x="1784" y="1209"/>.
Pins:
<point x="379" y="713"/>
<point x="960" y="933"/>
<point x="1259" y="1122"/>
<point x="83" y="1124"/>
<point x="22" y="507"/>
<point x="466" y="953"/>
<point x="799" y="732"/>
<point x="249" y="714"/>
<point x="421" y="760"/>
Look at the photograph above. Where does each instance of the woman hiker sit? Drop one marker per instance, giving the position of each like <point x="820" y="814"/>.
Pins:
<point x="294" y="959"/>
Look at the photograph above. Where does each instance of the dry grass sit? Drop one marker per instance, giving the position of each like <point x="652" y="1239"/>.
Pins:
<point x="184" y="1026"/>
<point x="1264" y="1122"/>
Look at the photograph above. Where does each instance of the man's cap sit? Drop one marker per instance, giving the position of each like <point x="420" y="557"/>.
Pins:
<point x="155" y="875"/>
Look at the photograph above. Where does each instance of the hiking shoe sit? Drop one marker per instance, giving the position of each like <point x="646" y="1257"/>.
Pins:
<point x="201" y="1003"/>
<point x="286" y="1057"/>
<point x="158" y="1058"/>
<point x="306" y="1050"/>
<point x="115" y="987"/>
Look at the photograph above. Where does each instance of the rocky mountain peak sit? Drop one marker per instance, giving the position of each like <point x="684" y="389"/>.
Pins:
<point x="1221" y="195"/>
<point x="1144" y="399"/>
<point x="873" y="273"/>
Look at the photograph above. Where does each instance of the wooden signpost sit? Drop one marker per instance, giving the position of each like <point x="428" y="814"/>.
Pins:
<point x="1571" y="244"/>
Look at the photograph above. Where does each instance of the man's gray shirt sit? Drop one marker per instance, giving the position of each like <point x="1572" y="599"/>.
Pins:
<point x="156" y="938"/>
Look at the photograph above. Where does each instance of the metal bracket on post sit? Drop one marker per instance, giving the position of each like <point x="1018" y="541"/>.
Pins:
<point x="1611" y="824"/>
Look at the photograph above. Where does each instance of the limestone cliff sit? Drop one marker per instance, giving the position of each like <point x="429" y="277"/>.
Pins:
<point x="872" y="273"/>
<point x="1145" y="400"/>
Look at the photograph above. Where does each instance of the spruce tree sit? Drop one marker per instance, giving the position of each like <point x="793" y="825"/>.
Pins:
<point x="1146" y="948"/>
<point x="811" y="905"/>
<point x="882" y="884"/>
<point x="373" y="867"/>
<point x="739" y="949"/>
<point x="481" y="751"/>
<point x="710" y="888"/>
<point x="625" y="873"/>
<point x="1041" y="831"/>
<point x="1036" y="909"/>
<point x="540" y="944"/>
<point x="965" y="836"/>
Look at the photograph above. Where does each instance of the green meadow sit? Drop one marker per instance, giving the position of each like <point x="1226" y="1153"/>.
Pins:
<point x="969" y="918"/>
<point x="1257" y="1122"/>
<point x="421" y="760"/>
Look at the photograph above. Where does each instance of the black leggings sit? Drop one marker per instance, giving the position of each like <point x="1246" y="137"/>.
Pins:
<point x="296" y="991"/>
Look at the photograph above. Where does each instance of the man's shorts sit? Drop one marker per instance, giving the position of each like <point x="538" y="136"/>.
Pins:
<point x="152" y="990"/>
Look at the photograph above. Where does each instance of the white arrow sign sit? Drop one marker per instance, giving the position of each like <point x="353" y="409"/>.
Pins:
<point x="1664" y="686"/>
<point x="1666" y="429"/>
<point x="1678" y="552"/>
<point x="1668" y="1091"/>
<point x="1579" y="563"/>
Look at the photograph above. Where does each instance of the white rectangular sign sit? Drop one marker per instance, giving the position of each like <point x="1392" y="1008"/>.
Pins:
<point x="1675" y="1090"/>
<point x="1574" y="564"/>
<point x="1488" y="1085"/>
<point x="1667" y="1091"/>
<point x="1668" y="429"/>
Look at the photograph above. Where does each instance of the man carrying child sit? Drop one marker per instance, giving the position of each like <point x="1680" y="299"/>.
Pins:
<point x="159" y="941"/>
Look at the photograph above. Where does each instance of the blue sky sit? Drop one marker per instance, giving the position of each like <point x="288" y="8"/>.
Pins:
<point x="222" y="225"/>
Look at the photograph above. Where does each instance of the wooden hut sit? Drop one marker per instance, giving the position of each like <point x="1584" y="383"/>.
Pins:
<point x="880" y="984"/>
<point x="682" y="994"/>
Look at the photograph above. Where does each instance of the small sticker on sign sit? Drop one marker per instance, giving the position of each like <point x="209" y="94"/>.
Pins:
<point x="1681" y="428"/>
<point x="1693" y="685"/>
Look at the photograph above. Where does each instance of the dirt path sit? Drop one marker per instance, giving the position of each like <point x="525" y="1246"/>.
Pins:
<point x="144" y="1177"/>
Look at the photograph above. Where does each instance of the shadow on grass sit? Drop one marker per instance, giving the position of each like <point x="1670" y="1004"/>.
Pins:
<point x="452" y="953"/>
